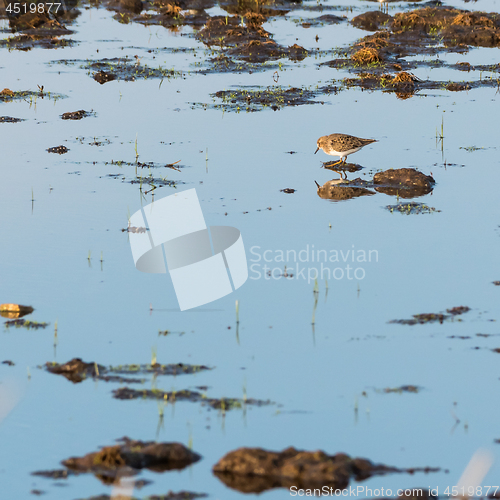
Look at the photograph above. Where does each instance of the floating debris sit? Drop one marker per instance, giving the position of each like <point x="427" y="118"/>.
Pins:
<point x="223" y="404"/>
<point x="403" y="388"/>
<point x="10" y="119"/>
<point x="287" y="190"/>
<point x="432" y="317"/>
<point x="77" y="370"/>
<point x="25" y="323"/>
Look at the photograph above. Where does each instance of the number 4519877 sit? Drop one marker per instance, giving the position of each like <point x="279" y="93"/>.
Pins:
<point x="471" y="491"/>
<point x="24" y="8"/>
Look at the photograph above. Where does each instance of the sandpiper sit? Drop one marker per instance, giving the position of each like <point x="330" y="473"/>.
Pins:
<point x="341" y="145"/>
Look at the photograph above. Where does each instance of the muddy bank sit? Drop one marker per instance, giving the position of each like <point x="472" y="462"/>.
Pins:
<point x="126" y="459"/>
<point x="379" y="60"/>
<point x="433" y="317"/>
<point x="77" y="370"/>
<point x="223" y="404"/>
<point x="253" y="470"/>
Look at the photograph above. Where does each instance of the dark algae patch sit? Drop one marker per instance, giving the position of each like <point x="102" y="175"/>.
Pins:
<point x="10" y="119"/>
<point x="422" y="319"/>
<point x="121" y="68"/>
<point x="77" y="370"/>
<point x="411" y="207"/>
<point x="253" y="470"/>
<point x="223" y="404"/>
<point x="403" y="388"/>
<point x="257" y="99"/>
<point x="126" y="459"/>
<point x="7" y="95"/>
<point x="25" y="323"/>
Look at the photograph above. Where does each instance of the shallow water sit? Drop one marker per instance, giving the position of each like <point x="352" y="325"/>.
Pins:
<point x="315" y="374"/>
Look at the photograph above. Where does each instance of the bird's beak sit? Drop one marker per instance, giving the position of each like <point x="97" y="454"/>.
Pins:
<point x="316" y="182"/>
<point x="316" y="151"/>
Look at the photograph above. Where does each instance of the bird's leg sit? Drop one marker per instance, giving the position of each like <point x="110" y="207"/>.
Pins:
<point x="336" y="163"/>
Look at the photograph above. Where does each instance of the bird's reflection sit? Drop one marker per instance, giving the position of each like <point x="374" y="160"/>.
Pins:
<point x="340" y="189"/>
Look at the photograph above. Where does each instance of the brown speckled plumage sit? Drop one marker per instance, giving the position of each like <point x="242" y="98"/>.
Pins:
<point x="341" y="145"/>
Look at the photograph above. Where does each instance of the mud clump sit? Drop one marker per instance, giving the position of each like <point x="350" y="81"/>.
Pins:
<point x="253" y="470"/>
<point x="60" y="150"/>
<point x="371" y="21"/>
<point x="134" y="6"/>
<point x="103" y="77"/>
<point x="126" y="459"/>
<point x="136" y="455"/>
<point x="75" y="370"/>
<point x="367" y="55"/>
<point x="405" y="182"/>
<point x="75" y="115"/>
<point x="251" y="43"/>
